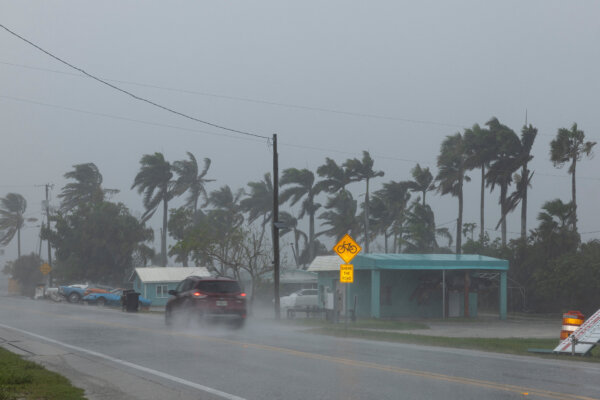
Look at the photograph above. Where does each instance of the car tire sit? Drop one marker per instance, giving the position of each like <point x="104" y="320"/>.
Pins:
<point x="239" y="323"/>
<point x="101" y="302"/>
<point x="168" y="317"/>
<point x="74" y="297"/>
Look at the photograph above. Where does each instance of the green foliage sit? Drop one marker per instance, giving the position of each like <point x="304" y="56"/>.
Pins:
<point x="86" y="189"/>
<point x="26" y="271"/>
<point x="190" y="179"/>
<point x="340" y="217"/>
<point x="12" y="219"/>
<point x="96" y="243"/>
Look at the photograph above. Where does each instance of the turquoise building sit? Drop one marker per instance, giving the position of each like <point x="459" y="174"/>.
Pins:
<point x="410" y="285"/>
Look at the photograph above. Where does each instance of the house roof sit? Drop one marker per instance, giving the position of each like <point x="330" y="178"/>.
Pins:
<point x="412" y="262"/>
<point x="169" y="274"/>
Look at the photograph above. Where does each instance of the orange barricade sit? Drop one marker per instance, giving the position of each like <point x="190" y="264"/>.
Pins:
<point x="572" y="320"/>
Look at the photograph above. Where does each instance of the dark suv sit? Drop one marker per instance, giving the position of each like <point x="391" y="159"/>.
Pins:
<point x="202" y="299"/>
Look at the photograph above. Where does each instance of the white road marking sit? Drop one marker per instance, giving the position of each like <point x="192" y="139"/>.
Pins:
<point x="131" y="365"/>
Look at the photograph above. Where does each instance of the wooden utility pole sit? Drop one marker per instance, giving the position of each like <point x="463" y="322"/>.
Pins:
<point x="276" y="228"/>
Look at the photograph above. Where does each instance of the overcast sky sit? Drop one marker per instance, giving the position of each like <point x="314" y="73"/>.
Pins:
<point x="403" y="74"/>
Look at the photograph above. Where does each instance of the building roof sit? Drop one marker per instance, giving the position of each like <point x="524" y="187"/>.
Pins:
<point x="412" y="262"/>
<point x="169" y="274"/>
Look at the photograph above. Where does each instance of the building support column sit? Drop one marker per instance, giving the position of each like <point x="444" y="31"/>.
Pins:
<point x="375" y="290"/>
<point x="503" y="295"/>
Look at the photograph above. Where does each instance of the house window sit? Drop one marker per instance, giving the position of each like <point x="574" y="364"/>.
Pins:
<point x="162" y="291"/>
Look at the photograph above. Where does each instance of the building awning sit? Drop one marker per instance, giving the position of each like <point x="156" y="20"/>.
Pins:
<point x="431" y="262"/>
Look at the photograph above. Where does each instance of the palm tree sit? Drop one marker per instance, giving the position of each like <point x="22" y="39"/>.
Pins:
<point x="290" y="224"/>
<point x="389" y="207"/>
<point x="480" y="148"/>
<point x="86" y="189"/>
<point x="154" y="180"/>
<point x="190" y="179"/>
<point x="451" y="176"/>
<point x="505" y="162"/>
<point x="363" y="171"/>
<point x="336" y="177"/>
<point x="568" y="146"/>
<point x="523" y="180"/>
<point x="341" y="216"/>
<point x="12" y="219"/>
<point x="259" y="202"/>
<point x="423" y="181"/>
<point x="301" y="184"/>
<point x="420" y="234"/>
<point x="555" y="216"/>
<point x="227" y="203"/>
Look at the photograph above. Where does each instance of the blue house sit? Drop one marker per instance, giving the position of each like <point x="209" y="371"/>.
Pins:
<point x="154" y="283"/>
<point x="410" y="285"/>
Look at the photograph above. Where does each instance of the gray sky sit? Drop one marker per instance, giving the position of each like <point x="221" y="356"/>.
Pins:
<point x="450" y="64"/>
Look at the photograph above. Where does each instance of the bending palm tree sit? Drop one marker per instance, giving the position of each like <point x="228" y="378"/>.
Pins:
<point x="259" y="202"/>
<point x="12" y="219"/>
<point x="423" y="181"/>
<point x="568" y="146"/>
<point x="336" y="177"/>
<point x="190" y="179"/>
<point x="523" y="181"/>
<point x="228" y="204"/>
<point x="291" y="225"/>
<point x="86" y="189"/>
<point x="451" y="176"/>
<point x="504" y="164"/>
<point x="481" y="150"/>
<point x="341" y="216"/>
<point x="363" y="171"/>
<point x="154" y="181"/>
<point x="301" y="184"/>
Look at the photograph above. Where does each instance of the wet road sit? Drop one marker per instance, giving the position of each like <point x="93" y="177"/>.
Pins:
<point x="266" y="360"/>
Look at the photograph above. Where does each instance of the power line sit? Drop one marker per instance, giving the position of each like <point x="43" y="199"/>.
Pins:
<point x="257" y="101"/>
<point x="129" y="93"/>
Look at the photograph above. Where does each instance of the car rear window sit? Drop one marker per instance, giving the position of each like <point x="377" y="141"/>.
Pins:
<point x="218" y="287"/>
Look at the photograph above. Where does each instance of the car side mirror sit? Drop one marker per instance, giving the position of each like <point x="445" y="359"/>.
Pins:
<point x="172" y="292"/>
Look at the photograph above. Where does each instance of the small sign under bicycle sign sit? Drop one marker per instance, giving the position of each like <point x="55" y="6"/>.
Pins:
<point x="347" y="273"/>
<point x="347" y="248"/>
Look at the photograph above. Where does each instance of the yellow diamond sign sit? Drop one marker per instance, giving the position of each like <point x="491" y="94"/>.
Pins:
<point x="347" y="248"/>
<point x="346" y="273"/>
<point x="45" y="268"/>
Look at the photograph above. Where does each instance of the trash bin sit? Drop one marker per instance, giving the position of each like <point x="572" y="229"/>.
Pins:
<point x="132" y="301"/>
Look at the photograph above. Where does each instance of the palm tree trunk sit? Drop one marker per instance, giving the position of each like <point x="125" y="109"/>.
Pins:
<point x="163" y="238"/>
<point x="482" y="226"/>
<point x="525" y="176"/>
<point x="503" y="190"/>
<point x="574" y="193"/>
<point x="18" y="242"/>
<point x="311" y="235"/>
<point x="296" y="247"/>
<point x="385" y="240"/>
<point x="459" y="221"/>
<point x="424" y="191"/>
<point x="367" y="218"/>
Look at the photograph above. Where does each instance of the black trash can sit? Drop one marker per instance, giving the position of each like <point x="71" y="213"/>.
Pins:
<point x="132" y="301"/>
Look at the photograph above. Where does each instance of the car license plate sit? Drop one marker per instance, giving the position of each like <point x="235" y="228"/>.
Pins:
<point x="221" y="303"/>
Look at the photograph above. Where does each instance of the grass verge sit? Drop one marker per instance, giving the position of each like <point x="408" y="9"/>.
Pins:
<point x="25" y="380"/>
<point x="517" y="346"/>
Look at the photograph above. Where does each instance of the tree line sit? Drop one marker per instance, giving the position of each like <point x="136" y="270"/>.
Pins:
<point x="226" y="229"/>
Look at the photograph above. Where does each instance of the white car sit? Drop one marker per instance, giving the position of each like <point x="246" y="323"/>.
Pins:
<point x="301" y="299"/>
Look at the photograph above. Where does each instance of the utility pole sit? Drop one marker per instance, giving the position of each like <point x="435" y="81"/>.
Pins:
<point x="48" y="186"/>
<point x="276" y="228"/>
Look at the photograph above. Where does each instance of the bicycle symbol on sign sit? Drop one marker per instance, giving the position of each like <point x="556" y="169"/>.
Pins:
<point x="346" y="246"/>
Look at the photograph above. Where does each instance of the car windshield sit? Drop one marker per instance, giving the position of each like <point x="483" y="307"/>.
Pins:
<point x="218" y="286"/>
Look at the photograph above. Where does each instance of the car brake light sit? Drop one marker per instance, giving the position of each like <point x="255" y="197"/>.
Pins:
<point x="241" y="296"/>
<point x="199" y="295"/>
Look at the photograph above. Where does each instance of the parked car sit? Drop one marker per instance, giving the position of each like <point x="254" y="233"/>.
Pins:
<point x="73" y="293"/>
<point x="207" y="299"/>
<point x="112" y="299"/>
<point x="303" y="298"/>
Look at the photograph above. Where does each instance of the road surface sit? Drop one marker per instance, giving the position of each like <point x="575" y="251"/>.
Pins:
<point x="115" y="355"/>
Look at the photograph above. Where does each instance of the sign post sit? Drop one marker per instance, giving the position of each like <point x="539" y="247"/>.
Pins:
<point x="346" y="248"/>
